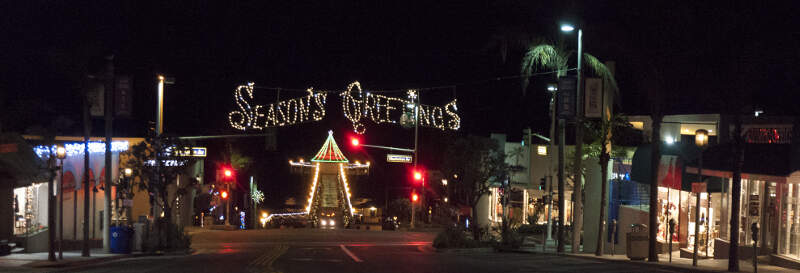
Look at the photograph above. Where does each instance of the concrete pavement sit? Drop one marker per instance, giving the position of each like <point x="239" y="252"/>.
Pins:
<point x="314" y="250"/>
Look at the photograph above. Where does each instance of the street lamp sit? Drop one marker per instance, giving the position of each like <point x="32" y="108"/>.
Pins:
<point x="701" y="140"/>
<point x="61" y="153"/>
<point x="578" y="219"/>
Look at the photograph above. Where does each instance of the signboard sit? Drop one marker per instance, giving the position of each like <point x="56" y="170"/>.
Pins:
<point x="593" y="103"/>
<point x="399" y="158"/>
<point x="698" y="187"/>
<point x="123" y="96"/>
<point x="565" y="97"/>
<point x="194" y="151"/>
<point x="753" y="207"/>
<point x="95" y="98"/>
<point x="8" y="148"/>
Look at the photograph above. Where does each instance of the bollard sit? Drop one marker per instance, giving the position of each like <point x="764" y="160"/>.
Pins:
<point x="754" y="229"/>
<point x="671" y="232"/>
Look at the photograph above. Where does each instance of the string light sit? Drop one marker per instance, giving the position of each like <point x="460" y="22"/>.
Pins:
<point x="313" y="189"/>
<point x="77" y="148"/>
<point x="278" y="114"/>
<point x="346" y="188"/>
<point x="356" y="105"/>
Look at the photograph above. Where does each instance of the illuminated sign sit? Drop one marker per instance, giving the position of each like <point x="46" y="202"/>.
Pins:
<point x="77" y="148"/>
<point x="398" y="158"/>
<point x="194" y="151"/>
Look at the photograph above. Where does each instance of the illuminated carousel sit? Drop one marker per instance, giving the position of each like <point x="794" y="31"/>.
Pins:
<point x="329" y="197"/>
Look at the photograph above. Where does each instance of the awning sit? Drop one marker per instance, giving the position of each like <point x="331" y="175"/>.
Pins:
<point x="674" y="159"/>
<point x="19" y="165"/>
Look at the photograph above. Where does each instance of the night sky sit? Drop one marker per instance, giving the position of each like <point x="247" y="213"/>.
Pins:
<point x="699" y="57"/>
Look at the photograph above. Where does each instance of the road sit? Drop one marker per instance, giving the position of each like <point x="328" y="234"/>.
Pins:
<point x="309" y="250"/>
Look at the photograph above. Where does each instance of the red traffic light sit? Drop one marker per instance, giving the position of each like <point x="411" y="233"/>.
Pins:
<point x="417" y="175"/>
<point x="228" y="173"/>
<point x="414" y="197"/>
<point x="354" y="141"/>
<point x="224" y="195"/>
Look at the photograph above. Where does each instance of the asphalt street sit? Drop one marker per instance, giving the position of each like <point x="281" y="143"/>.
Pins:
<point x="312" y="250"/>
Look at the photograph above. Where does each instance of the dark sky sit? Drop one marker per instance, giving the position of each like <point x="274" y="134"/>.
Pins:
<point x="701" y="57"/>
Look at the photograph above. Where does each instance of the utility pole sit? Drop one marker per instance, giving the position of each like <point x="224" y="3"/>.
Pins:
<point x="416" y="154"/>
<point x="109" y="116"/>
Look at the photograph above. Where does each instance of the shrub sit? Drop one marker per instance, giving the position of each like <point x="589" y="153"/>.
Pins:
<point x="454" y="237"/>
<point x="531" y="229"/>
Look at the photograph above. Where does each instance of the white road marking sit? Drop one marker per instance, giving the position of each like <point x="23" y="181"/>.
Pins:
<point x="353" y="256"/>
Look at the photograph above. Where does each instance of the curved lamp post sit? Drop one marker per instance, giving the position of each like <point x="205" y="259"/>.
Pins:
<point x="701" y="140"/>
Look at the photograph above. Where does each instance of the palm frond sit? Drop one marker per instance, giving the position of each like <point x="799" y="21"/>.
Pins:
<point x="599" y="68"/>
<point x="543" y="56"/>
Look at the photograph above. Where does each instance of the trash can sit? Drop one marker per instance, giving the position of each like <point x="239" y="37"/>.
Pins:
<point x="138" y="235"/>
<point x="120" y="239"/>
<point x="637" y="242"/>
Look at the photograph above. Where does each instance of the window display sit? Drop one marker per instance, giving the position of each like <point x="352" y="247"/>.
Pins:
<point x="30" y="209"/>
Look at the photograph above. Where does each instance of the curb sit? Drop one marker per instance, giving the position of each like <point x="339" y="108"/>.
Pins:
<point x="644" y="263"/>
<point x="49" y="264"/>
<point x="465" y="250"/>
<point x="82" y="263"/>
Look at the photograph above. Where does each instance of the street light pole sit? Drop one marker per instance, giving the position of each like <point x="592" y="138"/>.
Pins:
<point x="700" y="139"/>
<point x="577" y="218"/>
<point x="416" y="151"/>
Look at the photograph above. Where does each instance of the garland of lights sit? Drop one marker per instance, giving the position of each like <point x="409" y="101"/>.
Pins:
<point x="346" y="188"/>
<point x="313" y="189"/>
<point x="357" y="106"/>
<point x="278" y="114"/>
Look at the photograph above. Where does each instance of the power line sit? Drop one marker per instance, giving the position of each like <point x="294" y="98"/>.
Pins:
<point x="431" y="88"/>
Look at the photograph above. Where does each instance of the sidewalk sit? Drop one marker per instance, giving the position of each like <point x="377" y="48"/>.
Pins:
<point x="683" y="264"/>
<point x="71" y="258"/>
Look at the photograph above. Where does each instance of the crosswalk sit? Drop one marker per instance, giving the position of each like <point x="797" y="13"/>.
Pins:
<point x="263" y="263"/>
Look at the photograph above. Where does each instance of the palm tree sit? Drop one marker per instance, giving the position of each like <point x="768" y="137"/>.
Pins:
<point x="547" y="57"/>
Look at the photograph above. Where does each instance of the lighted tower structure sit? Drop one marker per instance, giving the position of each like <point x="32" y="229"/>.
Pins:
<point x="329" y="196"/>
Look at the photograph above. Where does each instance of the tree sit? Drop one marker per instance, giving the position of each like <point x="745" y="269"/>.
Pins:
<point x="555" y="58"/>
<point x="156" y="163"/>
<point x="602" y="132"/>
<point x="474" y="162"/>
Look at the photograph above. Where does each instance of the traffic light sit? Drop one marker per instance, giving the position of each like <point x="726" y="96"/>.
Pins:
<point x="354" y="141"/>
<point x="224" y="194"/>
<point x="414" y="197"/>
<point x="228" y="173"/>
<point x="417" y="175"/>
<point x="543" y="183"/>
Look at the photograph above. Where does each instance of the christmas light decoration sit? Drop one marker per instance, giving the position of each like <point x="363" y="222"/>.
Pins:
<point x="281" y="113"/>
<point x="346" y="188"/>
<point x="313" y="189"/>
<point x="77" y="148"/>
<point x="329" y="152"/>
<point x="257" y="196"/>
<point x="358" y="105"/>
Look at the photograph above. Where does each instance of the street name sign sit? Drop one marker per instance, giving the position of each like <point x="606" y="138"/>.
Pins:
<point x="399" y="158"/>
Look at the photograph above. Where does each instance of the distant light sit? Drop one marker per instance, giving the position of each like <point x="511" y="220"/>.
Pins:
<point x="669" y="140"/>
<point x="758" y="112"/>
<point x="324" y="223"/>
<point x="444" y="182"/>
<point x="552" y="87"/>
<point x="372" y="208"/>
<point x="445" y="199"/>
<point x="331" y="222"/>
<point x="567" y="28"/>
<point x="541" y="150"/>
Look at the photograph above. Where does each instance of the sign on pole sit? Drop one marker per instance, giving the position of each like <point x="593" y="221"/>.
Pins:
<point x="123" y="98"/>
<point x="567" y="87"/>
<point x="399" y="158"/>
<point x="753" y="207"/>
<point x="593" y="101"/>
